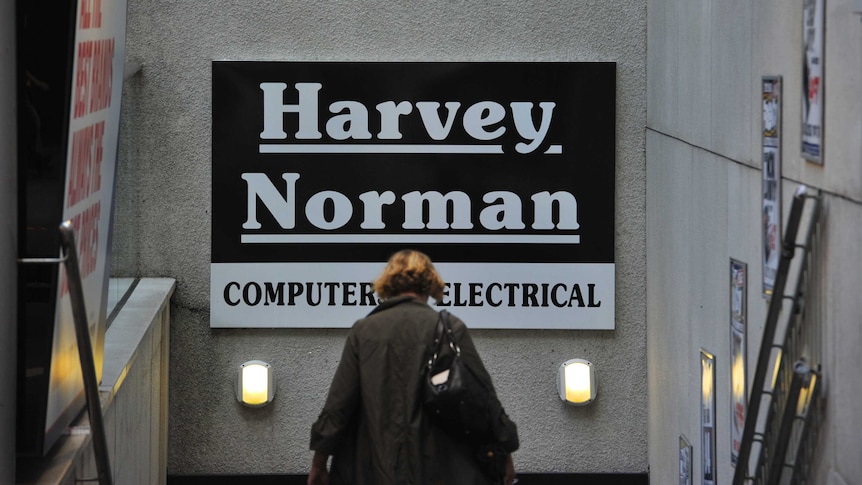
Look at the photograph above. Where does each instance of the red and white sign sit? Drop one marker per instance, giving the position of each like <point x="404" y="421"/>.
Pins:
<point x="91" y="158"/>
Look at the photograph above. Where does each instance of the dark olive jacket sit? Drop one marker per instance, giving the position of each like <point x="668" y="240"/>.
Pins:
<point x="373" y="421"/>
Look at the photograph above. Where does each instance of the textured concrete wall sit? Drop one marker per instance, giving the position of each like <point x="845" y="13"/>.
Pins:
<point x="705" y="63"/>
<point x="8" y="244"/>
<point x="163" y="221"/>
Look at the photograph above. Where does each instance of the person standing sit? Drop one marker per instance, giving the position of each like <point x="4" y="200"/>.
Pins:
<point x="373" y="424"/>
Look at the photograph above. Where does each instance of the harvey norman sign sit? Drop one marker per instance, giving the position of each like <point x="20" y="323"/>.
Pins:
<point x="503" y="173"/>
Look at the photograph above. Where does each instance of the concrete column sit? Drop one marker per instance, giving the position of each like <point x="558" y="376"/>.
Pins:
<point x="8" y="242"/>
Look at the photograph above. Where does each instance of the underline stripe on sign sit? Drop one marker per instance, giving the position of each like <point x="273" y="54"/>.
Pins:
<point x="388" y="148"/>
<point x="408" y="238"/>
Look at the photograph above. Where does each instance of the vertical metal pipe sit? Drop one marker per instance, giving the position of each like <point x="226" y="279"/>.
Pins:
<point x="85" y="352"/>
<point x="8" y="242"/>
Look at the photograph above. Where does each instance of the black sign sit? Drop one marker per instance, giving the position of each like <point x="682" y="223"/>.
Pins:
<point x="469" y="162"/>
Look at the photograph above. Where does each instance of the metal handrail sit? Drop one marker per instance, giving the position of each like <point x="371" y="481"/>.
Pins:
<point x="791" y="379"/>
<point x="808" y="432"/>
<point x="85" y="349"/>
<point x="801" y="377"/>
<point x="775" y="306"/>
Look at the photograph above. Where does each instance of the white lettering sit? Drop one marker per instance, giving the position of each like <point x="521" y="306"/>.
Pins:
<point x="523" y="115"/>
<point x="353" y="124"/>
<point x="506" y="215"/>
<point x="329" y="209"/>
<point x="374" y="203"/>
<point x="283" y="209"/>
<point x="436" y="129"/>
<point x="482" y="115"/>
<point x="568" y="206"/>
<point x="483" y="121"/>
<point x="389" y="113"/>
<point x="438" y="207"/>
<point x="274" y="109"/>
<point x="314" y="209"/>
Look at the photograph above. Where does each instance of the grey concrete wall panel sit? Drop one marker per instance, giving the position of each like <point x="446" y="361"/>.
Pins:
<point x="702" y="211"/>
<point x="843" y="339"/>
<point x="703" y="207"/>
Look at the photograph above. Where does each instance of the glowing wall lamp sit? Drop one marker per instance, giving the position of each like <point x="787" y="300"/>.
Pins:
<point x="255" y="386"/>
<point x="576" y="381"/>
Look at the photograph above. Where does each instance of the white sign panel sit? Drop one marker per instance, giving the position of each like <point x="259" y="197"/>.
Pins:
<point x="489" y="295"/>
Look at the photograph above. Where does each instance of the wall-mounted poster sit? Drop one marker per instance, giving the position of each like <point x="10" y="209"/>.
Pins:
<point x="738" y="316"/>
<point x="707" y="418"/>
<point x="502" y="172"/>
<point x="771" y="143"/>
<point x="813" y="25"/>
<point x="685" y="463"/>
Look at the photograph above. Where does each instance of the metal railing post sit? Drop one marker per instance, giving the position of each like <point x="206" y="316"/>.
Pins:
<point x="85" y="349"/>
<point x="85" y="352"/>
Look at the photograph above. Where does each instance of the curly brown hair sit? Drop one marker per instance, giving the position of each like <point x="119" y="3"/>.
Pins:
<point x="409" y="271"/>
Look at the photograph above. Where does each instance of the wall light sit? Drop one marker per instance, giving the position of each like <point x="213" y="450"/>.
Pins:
<point x="255" y="386"/>
<point x="576" y="381"/>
